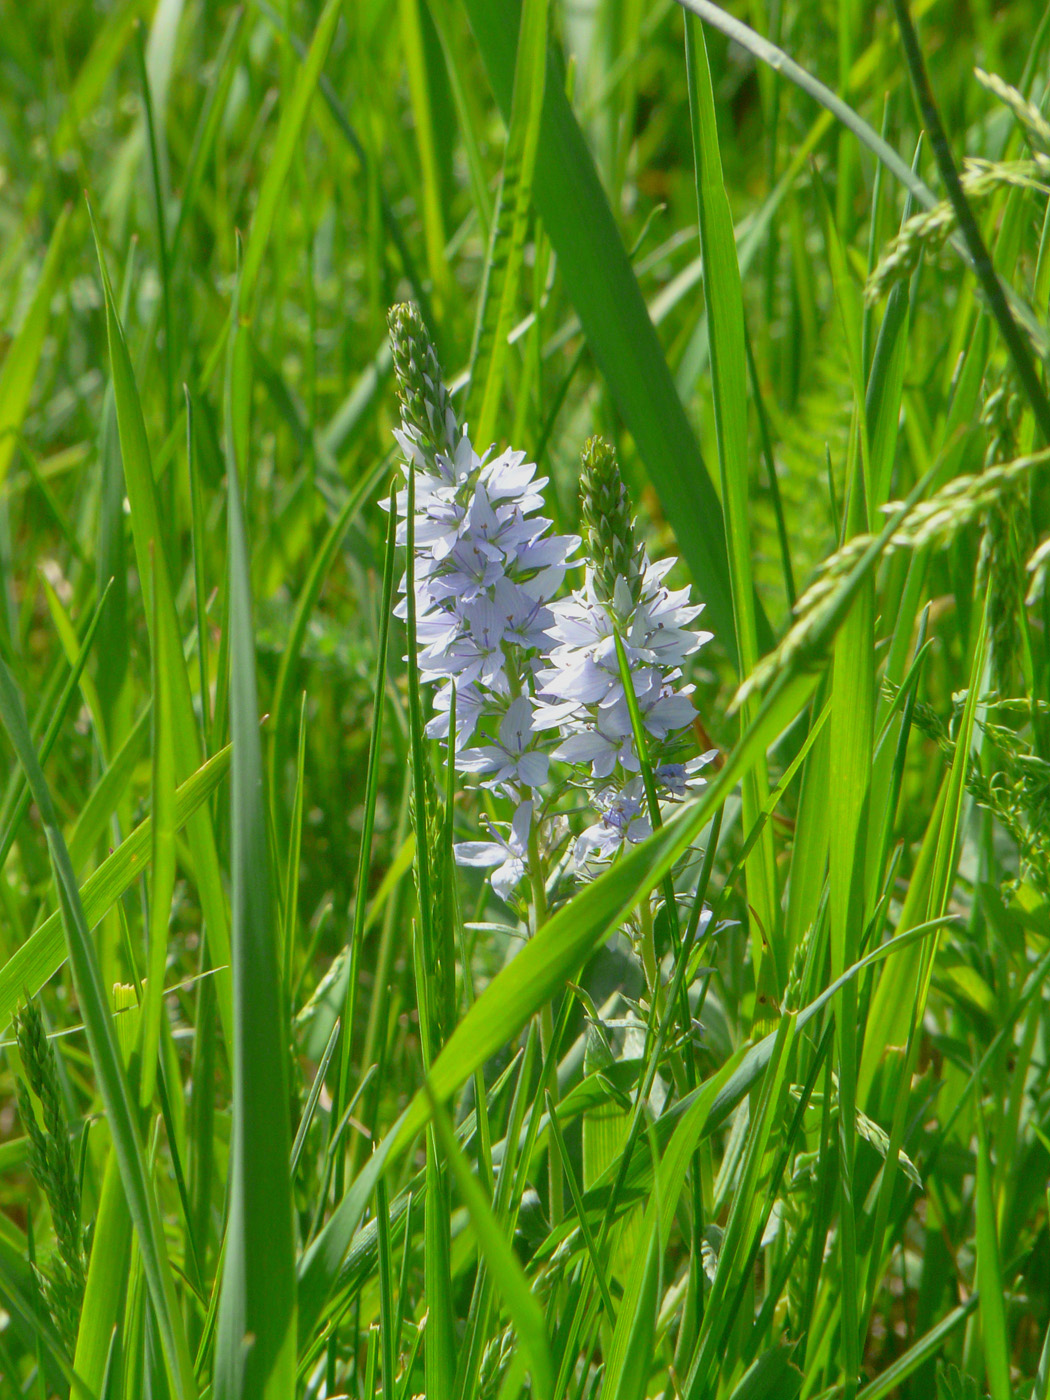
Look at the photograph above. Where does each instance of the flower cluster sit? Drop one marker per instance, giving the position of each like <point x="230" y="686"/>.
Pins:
<point x="485" y="568"/>
<point x="533" y="677"/>
<point x="581" y="689"/>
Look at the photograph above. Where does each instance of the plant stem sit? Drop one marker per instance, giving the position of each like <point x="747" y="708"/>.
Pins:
<point x="537" y="918"/>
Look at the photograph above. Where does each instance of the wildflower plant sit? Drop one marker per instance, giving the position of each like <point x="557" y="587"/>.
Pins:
<point x="485" y="569"/>
<point x="583" y="691"/>
<point x="533" y="676"/>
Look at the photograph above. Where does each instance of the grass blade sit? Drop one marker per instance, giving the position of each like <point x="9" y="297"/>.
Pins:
<point x="18" y="372"/>
<point x="592" y="261"/>
<point x="503" y="1266"/>
<point x="121" y="1111"/>
<point x="162" y="885"/>
<point x="40" y="957"/>
<point x="725" y="308"/>
<point x="992" y="1306"/>
<point x="292" y="118"/>
<point x="255" y="1345"/>
<point x="153" y="571"/>
<point x="503" y="269"/>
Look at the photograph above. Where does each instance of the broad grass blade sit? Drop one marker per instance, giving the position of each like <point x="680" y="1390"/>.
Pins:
<point x="598" y="276"/>
<point x="503" y="1265"/>
<point x="153" y="571"/>
<point x="121" y="1110"/>
<point x="725" y="309"/>
<point x="23" y="354"/>
<point x="256" y="1339"/>
<point x="106" y="1279"/>
<point x="40" y="957"/>
<point x="503" y="268"/>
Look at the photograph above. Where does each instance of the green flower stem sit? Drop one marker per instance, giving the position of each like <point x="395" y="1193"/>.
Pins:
<point x="649" y="959"/>
<point x="653" y="801"/>
<point x="537" y="918"/>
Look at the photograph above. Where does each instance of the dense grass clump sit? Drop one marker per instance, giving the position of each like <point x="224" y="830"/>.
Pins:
<point x="436" y="957"/>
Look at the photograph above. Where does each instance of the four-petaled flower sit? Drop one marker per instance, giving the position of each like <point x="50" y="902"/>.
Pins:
<point x="511" y="759"/>
<point x="507" y="853"/>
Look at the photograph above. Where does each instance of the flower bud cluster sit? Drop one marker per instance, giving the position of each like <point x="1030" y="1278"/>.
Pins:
<point x="581" y="689"/>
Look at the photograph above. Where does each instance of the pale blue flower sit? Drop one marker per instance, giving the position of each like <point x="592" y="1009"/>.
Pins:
<point x="623" y="820"/>
<point x="506" y="853"/>
<point x="511" y="759"/>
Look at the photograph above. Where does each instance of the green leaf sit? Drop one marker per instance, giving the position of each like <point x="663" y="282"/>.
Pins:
<point x="18" y="371"/>
<point x="992" y="1306"/>
<point x="597" y="274"/>
<point x="106" y="1280"/>
<point x="154" y="575"/>
<point x="743" y="1215"/>
<point x="774" y="1376"/>
<point x="630" y="1362"/>
<point x="279" y="161"/>
<point x="415" y="56"/>
<point x="162" y="861"/>
<point x="499" y="290"/>
<point x="116" y="1094"/>
<point x="922" y="1351"/>
<point x="503" y="1265"/>
<point x="255" y="1345"/>
<point x="40" y="957"/>
<point x="725" y="308"/>
<point x="307" y="602"/>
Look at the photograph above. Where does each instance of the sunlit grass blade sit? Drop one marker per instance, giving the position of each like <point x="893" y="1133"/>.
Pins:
<point x="504" y="1267"/>
<point x="604" y="291"/>
<point x="772" y="1377"/>
<point x="11" y="816"/>
<point x="162" y="862"/>
<point x="256" y="1337"/>
<point x="725" y="308"/>
<point x="631" y="1359"/>
<point x="153" y="572"/>
<point x="121" y="1110"/>
<point x="922" y="1350"/>
<point x="293" y="117"/>
<point x="19" y="369"/>
<point x="304" y="608"/>
<point x="40" y="957"/>
<point x="433" y="218"/>
<point x="742" y="1221"/>
<point x="499" y="290"/>
<point x="357" y="931"/>
<point x="107" y="1276"/>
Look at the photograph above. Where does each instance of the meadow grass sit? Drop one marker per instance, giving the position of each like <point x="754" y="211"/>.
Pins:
<point x="291" y="1103"/>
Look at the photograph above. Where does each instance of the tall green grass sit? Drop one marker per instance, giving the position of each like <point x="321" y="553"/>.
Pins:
<point x="339" y="1125"/>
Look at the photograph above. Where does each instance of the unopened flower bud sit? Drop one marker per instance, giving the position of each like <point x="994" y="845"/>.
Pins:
<point x="426" y="408"/>
<point x="607" y="521"/>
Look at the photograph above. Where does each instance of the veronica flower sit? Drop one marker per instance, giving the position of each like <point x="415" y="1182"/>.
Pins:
<point x="507" y="853"/>
<point x="511" y="760"/>
<point x="623" y="818"/>
<point x="581" y="687"/>
<point x="485" y="568"/>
